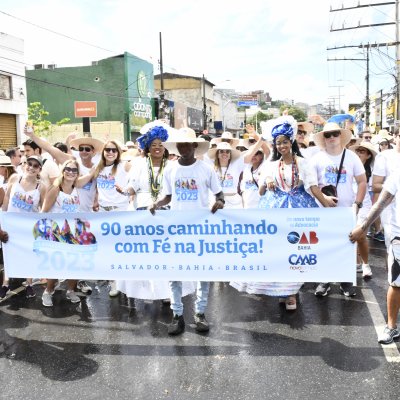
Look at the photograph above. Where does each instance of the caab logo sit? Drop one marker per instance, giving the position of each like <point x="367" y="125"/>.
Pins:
<point x="294" y="238"/>
<point x="307" y="259"/>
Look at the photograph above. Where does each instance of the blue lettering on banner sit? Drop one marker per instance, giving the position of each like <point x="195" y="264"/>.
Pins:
<point x="310" y="259"/>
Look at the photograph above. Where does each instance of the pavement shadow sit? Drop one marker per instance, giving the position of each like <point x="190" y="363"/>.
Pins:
<point x="56" y="362"/>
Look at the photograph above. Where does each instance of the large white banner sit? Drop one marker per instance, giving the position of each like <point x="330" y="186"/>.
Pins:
<point x="284" y="245"/>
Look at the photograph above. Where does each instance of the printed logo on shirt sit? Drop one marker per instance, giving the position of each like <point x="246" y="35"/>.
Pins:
<point x="22" y="201"/>
<point x="70" y="204"/>
<point x="250" y="185"/>
<point x="186" y="189"/>
<point x="106" y="181"/>
<point x="331" y="173"/>
<point x="227" y="182"/>
<point x="87" y="186"/>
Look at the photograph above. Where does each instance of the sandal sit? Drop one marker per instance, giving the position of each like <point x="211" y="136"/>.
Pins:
<point x="291" y="303"/>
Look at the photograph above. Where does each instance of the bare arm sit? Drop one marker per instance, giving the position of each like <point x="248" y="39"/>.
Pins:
<point x="219" y="202"/>
<point x="316" y="192"/>
<point x="50" y="198"/>
<point x="57" y="154"/>
<point x="384" y="200"/>
<point x="6" y="199"/>
<point x="163" y="202"/>
<point x="377" y="183"/>
<point x="361" y="187"/>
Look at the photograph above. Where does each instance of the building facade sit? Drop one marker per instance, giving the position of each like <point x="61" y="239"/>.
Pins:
<point x="13" y="99"/>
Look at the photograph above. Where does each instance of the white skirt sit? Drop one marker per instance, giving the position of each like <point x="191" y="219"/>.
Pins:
<point x="152" y="290"/>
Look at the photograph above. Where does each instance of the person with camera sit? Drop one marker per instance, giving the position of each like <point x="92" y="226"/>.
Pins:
<point x="336" y="169"/>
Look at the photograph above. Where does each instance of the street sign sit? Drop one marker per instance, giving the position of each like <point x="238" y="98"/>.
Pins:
<point x="247" y="103"/>
<point x="85" y="109"/>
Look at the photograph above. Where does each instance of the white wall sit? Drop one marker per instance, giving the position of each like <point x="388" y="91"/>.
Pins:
<point x="12" y="63"/>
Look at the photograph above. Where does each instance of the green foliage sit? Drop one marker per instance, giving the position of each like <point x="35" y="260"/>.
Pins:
<point x="297" y="113"/>
<point x="259" y="117"/>
<point x="37" y="114"/>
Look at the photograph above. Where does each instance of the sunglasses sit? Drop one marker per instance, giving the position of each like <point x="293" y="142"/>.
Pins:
<point x="111" y="150"/>
<point x="86" y="149"/>
<point x="303" y="133"/>
<point x="224" y="151"/>
<point x="384" y="144"/>
<point x="33" y="165"/>
<point x="71" y="170"/>
<point x="328" y="135"/>
<point x="367" y="137"/>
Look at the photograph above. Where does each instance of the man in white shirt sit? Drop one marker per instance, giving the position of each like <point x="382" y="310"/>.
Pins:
<point x="332" y="140"/>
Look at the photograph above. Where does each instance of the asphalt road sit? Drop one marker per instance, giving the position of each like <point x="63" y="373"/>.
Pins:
<point x="103" y="348"/>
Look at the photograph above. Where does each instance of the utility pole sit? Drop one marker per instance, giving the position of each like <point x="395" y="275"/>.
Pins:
<point x="204" y="105"/>
<point x="161" y="104"/>
<point x="369" y="46"/>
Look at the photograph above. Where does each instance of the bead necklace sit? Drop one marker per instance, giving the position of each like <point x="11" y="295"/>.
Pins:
<point x="222" y="178"/>
<point x="295" y="174"/>
<point x="155" y="182"/>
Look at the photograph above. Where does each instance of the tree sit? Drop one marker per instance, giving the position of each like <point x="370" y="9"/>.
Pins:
<point x="37" y="114"/>
<point x="297" y="113"/>
<point x="259" y="117"/>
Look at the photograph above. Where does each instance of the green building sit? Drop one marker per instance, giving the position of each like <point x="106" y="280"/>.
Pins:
<point x="122" y="86"/>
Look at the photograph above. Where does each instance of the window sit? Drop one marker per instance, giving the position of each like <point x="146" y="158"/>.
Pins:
<point x="5" y="87"/>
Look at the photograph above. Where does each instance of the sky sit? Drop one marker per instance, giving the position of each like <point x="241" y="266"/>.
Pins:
<point x="276" y="46"/>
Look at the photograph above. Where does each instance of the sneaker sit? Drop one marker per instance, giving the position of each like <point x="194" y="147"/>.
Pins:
<point x="322" y="289"/>
<point x="3" y="291"/>
<point x="366" y="271"/>
<point x="30" y="292"/>
<point x="388" y="335"/>
<point x="84" y="287"/>
<point x="113" y="289"/>
<point x="370" y="234"/>
<point x="177" y="326"/>
<point x="380" y="237"/>
<point x="201" y="323"/>
<point x="359" y="268"/>
<point x="347" y="289"/>
<point x="73" y="298"/>
<point x="47" y="299"/>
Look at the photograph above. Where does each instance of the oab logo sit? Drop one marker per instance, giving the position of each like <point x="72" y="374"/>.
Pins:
<point x="304" y="240"/>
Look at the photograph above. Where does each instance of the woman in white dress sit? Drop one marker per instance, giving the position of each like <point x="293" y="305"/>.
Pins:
<point x="146" y="184"/>
<point x="25" y="193"/>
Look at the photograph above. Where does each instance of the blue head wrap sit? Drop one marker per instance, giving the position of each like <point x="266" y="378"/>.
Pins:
<point x="284" y="129"/>
<point x="157" y="132"/>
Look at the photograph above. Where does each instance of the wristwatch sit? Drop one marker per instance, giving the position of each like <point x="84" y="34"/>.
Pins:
<point x="359" y="204"/>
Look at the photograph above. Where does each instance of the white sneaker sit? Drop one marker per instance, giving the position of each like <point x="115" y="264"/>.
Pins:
<point x="71" y="295"/>
<point x="366" y="271"/>
<point x="47" y="299"/>
<point x="113" y="289"/>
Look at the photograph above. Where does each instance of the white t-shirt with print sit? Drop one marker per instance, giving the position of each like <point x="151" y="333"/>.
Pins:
<point x="229" y="176"/>
<point x="327" y="167"/>
<point x="392" y="185"/>
<point x="189" y="186"/>
<point x="248" y="185"/>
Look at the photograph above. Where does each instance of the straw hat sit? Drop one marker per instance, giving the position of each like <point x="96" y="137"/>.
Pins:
<point x="227" y="136"/>
<point x="97" y="144"/>
<point x="366" y="145"/>
<point x="243" y="143"/>
<point x="5" y="161"/>
<point x="235" y="154"/>
<point x="186" y="135"/>
<point x="345" y="136"/>
<point x="305" y="126"/>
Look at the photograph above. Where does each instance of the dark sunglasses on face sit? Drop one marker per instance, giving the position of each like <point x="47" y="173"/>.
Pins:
<point x="361" y="151"/>
<point x="367" y="137"/>
<point x="224" y="151"/>
<point x="33" y="165"/>
<point x="86" y="149"/>
<point x="328" y="135"/>
<point x="384" y="144"/>
<point x="303" y="133"/>
<point x="71" y="170"/>
<point x="111" y="150"/>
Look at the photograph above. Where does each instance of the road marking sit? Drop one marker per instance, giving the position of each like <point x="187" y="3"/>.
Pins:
<point x="391" y="351"/>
